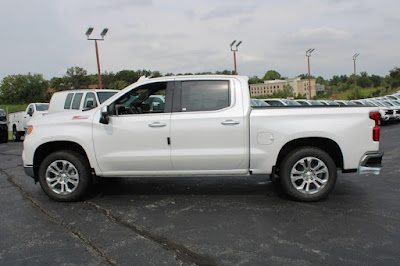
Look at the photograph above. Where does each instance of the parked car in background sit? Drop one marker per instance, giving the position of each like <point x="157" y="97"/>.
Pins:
<point x="345" y="103"/>
<point x="281" y="102"/>
<point x="78" y="100"/>
<point x="3" y="127"/>
<point x="18" y="120"/>
<point x="328" y="102"/>
<point x="309" y="102"/>
<point x="393" y="97"/>
<point x="388" y="113"/>
<point x="392" y="105"/>
<point x="258" y="102"/>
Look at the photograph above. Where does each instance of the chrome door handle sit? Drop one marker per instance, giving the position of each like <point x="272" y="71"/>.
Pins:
<point x="230" y="123"/>
<point x="157" y="124"/>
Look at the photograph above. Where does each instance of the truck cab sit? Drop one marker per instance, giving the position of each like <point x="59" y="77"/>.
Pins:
<point x="78" y="100"/>
<point x="19" y="120"/>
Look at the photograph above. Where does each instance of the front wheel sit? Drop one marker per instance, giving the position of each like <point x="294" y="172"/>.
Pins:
<point x="308" y="174"/>
<point x="64" y="175"/>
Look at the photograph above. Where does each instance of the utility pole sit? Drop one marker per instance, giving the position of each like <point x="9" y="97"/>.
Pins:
<point x="102" y="34"/>
<point x="234" y="50"/>
<point x="355" y="76"/>
<point x="308" y="54"/>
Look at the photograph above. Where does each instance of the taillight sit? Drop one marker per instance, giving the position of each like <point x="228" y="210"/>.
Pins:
<point x="376" y="116"/>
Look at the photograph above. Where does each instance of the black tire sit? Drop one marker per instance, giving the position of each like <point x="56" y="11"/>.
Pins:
<point x="76" y="178"/>
<point x="4" y="138"/>
<point x="16" y="135"/>
<point x="306" y="168"/>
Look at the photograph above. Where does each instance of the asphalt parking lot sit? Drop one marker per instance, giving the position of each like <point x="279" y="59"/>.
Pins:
<point x="207" y="221"/>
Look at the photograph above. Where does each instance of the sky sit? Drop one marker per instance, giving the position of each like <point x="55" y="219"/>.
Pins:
<point x="48" y="36"/>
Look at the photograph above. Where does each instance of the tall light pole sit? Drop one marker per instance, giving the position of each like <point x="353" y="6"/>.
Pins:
<point x="234" y="50"/>
<point x="308" y="54"/>
<point x="355" y="76"/>
<point x="102" y="34"/>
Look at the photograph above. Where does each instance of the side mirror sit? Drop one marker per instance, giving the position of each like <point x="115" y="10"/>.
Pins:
<point x="104" y="116"/>
<point x="30" y="112"/>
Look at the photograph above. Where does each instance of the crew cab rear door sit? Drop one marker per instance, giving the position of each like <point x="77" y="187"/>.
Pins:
<point x="207" y="127"/>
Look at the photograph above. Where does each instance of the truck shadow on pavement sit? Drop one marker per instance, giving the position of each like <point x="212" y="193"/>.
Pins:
<point x="258" y="187"/>
<point x="187" y="186"/>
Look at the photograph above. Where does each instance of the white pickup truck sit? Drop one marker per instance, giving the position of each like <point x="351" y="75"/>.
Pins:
<point x="18" y="120"/>
<point x="198" y="126"/>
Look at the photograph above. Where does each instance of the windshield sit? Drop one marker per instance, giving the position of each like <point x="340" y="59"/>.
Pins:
<point x="350" y="103"/>
<point x="104" y="95"/>
<point x="41" y="107"/>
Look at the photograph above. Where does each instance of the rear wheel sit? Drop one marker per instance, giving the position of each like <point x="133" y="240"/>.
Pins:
<point x="64" y="175"/>
<point x="308" y="174"/>
<point x="16" y="135"/>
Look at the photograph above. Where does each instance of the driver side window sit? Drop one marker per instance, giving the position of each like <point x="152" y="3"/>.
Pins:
<point x="145" y="99"/>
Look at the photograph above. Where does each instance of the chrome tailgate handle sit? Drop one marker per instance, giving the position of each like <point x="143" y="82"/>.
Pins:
<point x="157" y="124"/>
<point x="230" y="123"/>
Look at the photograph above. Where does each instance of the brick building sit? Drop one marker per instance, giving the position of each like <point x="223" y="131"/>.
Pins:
<point x="300" y="86"/>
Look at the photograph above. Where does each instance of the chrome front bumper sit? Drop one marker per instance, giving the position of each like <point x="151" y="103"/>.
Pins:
<point x="371" y="163"/>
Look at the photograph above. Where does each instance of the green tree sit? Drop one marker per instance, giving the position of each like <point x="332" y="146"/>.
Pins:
<point x="255" y="80"/>
<point x="395" y="77"/>
<point x="271" y="75"/>
<point x="118" y="85"/>
<point x="156" y="74"/>
<point x="19" y="89"/>
<point x="76" y="78"/>
<point x="376" y="80"/>
<point x="321" y="80"/>
<point x="285" y="93"/>
<point x="129" y="76"/>
<point x="334" y="81"/>
<point x="305" y="76"/>
<point x="58" y="84"/>
<point x="363" y="80"/>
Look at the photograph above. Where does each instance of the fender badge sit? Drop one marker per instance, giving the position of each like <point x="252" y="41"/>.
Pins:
<point x="79" y="117"/>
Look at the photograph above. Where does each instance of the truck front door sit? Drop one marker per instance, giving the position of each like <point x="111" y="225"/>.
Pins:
<point x="135" y="140"/>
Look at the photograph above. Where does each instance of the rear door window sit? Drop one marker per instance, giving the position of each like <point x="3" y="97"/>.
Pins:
<point x="77" y="101"/>
<point x="204" y="95"/>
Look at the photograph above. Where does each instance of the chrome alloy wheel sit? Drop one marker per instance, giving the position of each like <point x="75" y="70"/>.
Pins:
<point x="62" y="177"/>
<point x="309" y="175"/>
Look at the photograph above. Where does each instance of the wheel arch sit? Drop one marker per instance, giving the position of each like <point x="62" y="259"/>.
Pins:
<point x="47" y="148"/>
<point x="325" y="144"/>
